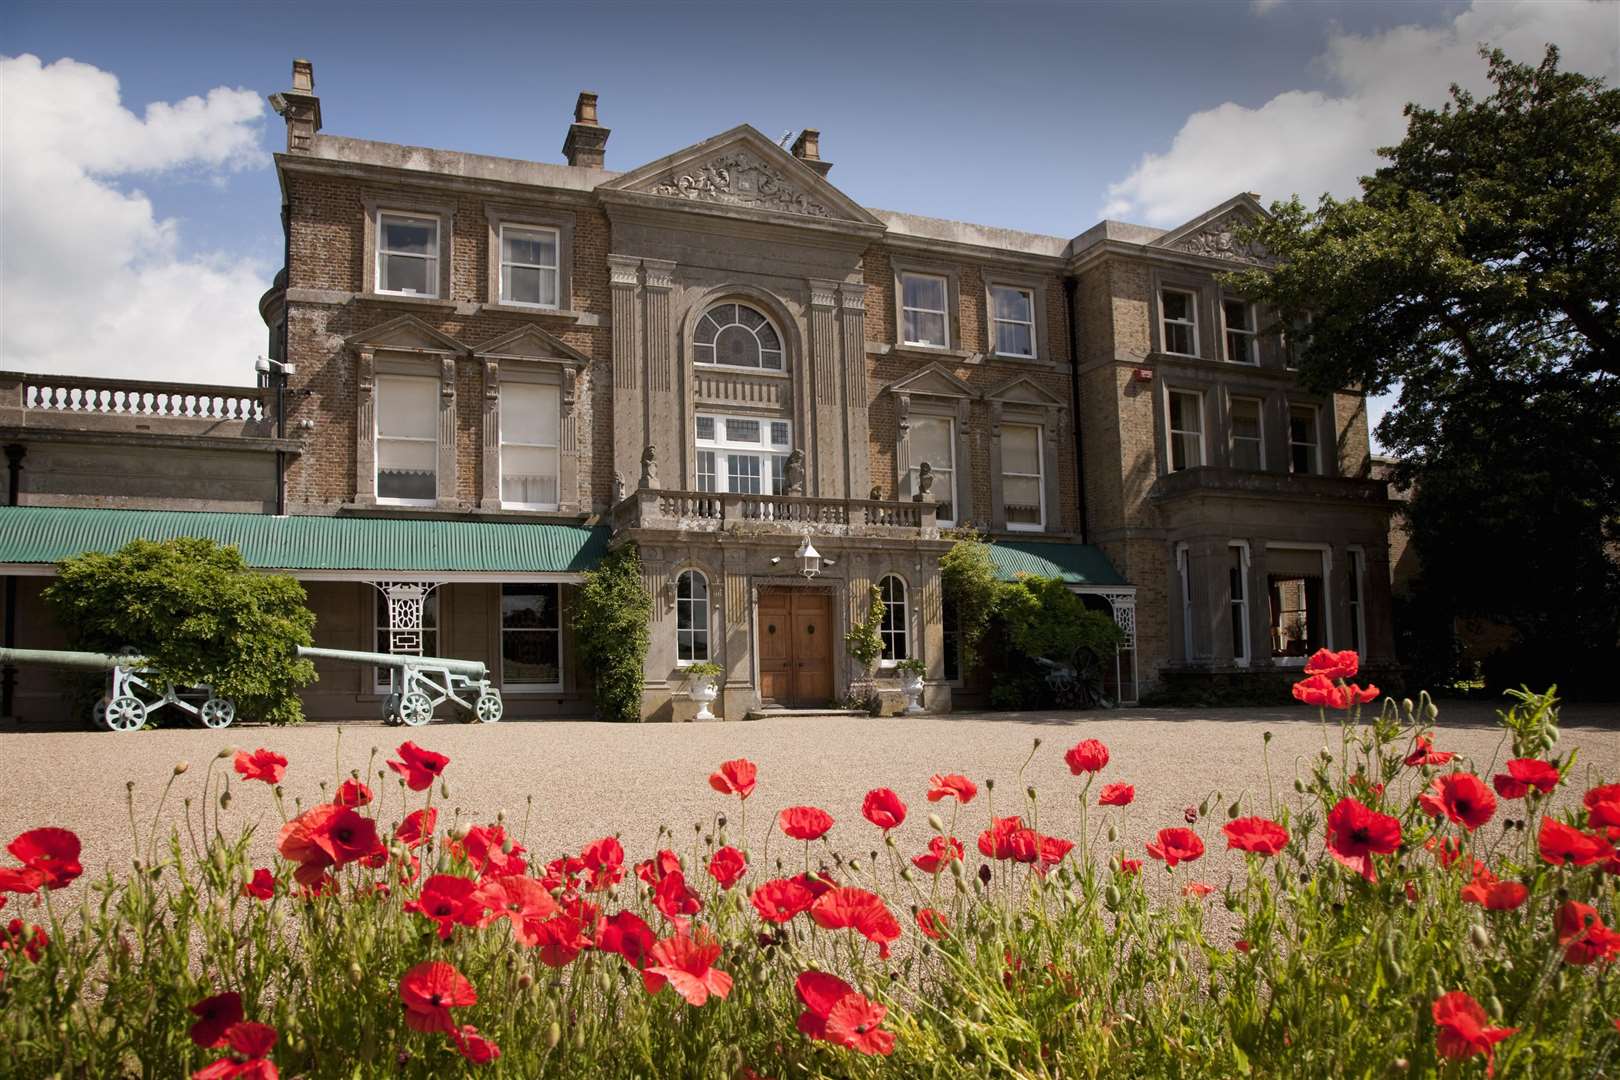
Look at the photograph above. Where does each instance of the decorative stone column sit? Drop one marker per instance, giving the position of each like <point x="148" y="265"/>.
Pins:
<point x="822" y="417"/>
<point x="664" y="389"/>
<point x="857" y="448"/>
<point x="629" y="412"/>
<point x="447" y="487"/>
<point x="365" y="447"/>
<point x="489" y="496"/>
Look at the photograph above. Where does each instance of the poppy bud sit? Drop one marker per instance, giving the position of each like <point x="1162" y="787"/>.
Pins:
<point x="1495" y="1005"/>
<point x="553" y="1035"/>
<point x="129" y="785"/>
<point x="935" y="823"/>
<point x="1406" y="706"/>
<point x="984" y="873"/>
<point x="905" y="873"/>
<point x="1111" y="897"/>
<point x="956" y="867"/>
<point x="1561" y="981"/>
<point x="225" y="799"/>
<point x="1232" y="810"/>
<point x="1265" y="736"/>
<point x="357" y="974"/>
<point x="444" y="789"/>
<point x="1481" y="936"/>
<point x="1113" y="833"/>
<point x="224" y="752"/>
<point x="1191" y="814"/>
<point x="888" y="841"/>
<point x="1299" y="785"/>
<point x="525" y="981"/>
<point x="579" y="1037"/>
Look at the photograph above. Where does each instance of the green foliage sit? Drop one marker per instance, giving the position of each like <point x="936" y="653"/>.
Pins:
<point x="865" y="640"/>
<point x="969" y="581"/>
<point x="1043" y="618"/>
<point x="911" y="667"/>
<point x="612" y="629"/>
<point x="199" y="613"/>
<point x="1479" y="274"/>
<point x="706" y="669"/>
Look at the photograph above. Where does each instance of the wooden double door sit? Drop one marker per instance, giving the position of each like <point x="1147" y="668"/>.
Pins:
<point x="796" y="647"/>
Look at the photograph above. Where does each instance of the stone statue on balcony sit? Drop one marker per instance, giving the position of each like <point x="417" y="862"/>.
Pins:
<point x="876" y="494"/>
<point x="793" y="473"/>
<point x="925" y="483"/>
<point x="649" y="468"/>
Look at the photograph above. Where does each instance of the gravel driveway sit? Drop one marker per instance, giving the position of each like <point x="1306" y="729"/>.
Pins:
<point x="588" y="780"/>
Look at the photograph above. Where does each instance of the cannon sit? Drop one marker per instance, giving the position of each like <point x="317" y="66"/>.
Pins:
<point x="136" y="691"/>
<point x="425" y="683"/>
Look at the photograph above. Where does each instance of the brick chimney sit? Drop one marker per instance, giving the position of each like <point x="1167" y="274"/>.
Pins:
<point x="299" y="107"/>
<point x="586" y="145"/>
<point x="807" y="148"/>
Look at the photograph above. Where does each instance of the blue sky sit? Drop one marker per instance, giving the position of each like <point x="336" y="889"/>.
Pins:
<point x="1036" y="116"/>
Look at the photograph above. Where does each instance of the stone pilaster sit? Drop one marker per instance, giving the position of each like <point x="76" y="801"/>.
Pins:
<point x="857" y="448"/>
<point x="823" y="420"/>
<point x="490" y="489"/>
<point x="629" y="410"/>
<point x="365" y="449"/>
<point x="568" y="442"/>
<point x="447" y="433"/>
<point x="664" y="386"/>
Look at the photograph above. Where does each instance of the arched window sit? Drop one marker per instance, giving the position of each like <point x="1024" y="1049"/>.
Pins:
<point x="735" y="335"/>
<point x="893" y="592"/>
<point x="691" y="617"/>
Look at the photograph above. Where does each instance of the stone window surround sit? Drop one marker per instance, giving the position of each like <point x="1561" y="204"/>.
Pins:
<point x="957" y="410"/>
<point x="1042" y="419"/>
<point x="382" y="202"/>
<point x="906" y="609"/>
<point x="743" y="300"/>
<point x="953" y="304"/>
<point x="1247" y="602"/>
<point x="1034" y="285"/>
<point x="441" y="367"/>
<point x="712" y="604"/>
<point x="560" y="373"/>
<point x="535" y="217"/>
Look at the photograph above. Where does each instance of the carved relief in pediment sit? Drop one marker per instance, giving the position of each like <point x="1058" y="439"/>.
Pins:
<point x="738" y="177"/>
<point x="1219" y="240"/>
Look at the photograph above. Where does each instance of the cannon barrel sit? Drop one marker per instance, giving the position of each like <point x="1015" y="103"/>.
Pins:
<point x="470" y="668"/>
<point x="63" y="658"/>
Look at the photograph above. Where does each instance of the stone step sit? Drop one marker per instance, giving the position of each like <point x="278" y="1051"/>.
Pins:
<point x="772" y="712"/>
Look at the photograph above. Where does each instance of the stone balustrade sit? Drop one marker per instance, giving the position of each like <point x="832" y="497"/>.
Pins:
<point x="81" y="402"/>
<point x="708" y="511"/>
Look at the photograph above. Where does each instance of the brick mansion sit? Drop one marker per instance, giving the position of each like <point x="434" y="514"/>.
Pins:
<point x="483" y="374"/>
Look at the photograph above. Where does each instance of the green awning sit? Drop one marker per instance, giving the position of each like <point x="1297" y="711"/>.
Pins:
<point x="1073" y="564"/>
<point x="48" y="534"/>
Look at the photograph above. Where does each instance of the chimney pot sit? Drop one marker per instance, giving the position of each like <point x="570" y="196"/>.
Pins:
<point x="585" y="108"/>
<point x="300" y="108"/>
<point x="586" y="144"/>
<point x="807" y="148"/>
<point x="303" y="76"/>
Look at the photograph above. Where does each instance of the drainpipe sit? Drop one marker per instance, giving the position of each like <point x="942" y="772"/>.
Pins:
<point x="1073" y="323"/>
<point x="8" y="675"/>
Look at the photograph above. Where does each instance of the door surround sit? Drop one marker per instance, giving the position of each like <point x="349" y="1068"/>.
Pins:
<point x="805" y="675"/>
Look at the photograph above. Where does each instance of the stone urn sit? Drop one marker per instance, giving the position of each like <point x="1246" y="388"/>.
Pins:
<point x="911" y="685"/>
<point x="702" y="688"/>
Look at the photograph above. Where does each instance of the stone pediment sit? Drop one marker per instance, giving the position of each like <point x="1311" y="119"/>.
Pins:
<point x="742" y="170"/>
<point x="1022" y="391"/>
<point x="530" y="343"/>
<point x="931" y="381"/>
<point x="406" y="333"/>
<point x="1213" y="234"/>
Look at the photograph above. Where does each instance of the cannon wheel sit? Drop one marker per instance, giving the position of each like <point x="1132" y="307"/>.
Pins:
<point x="489" y="708"/>
<point x="415" y="709"/>
<point x="217" y="712"/>
<point x="98" y="715"/>
<point x="125" y="713"/>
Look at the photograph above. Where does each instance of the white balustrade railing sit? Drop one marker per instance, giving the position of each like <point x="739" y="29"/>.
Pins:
<point x="113" y="397"/>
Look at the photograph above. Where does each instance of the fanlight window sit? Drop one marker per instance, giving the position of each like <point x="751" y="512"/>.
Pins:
<point x="735" y="335"/>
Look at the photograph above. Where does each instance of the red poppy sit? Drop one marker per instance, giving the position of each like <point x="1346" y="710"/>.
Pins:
<point x="835" y="1013"/>
<point x="1602" y="806"/>
<point x="1242" y="946"/>
<point x="727" y="866"/>
<point x="686" y="964"/>
<point x="473" y="1046"/>
<point x="805" y="822"/>
<point x="1564" y="845"/>
<point x="214" y="1016"/>
<point x="561" y="938"/>
<point x="1524" y="774"/>
<point x="491" y="852"/>
<point x="779" y="900"/>
<point x="1333" y="665"/>
<point x="1446" y="851"/>
<point x="1461" y="1031"/>
<point x="417" y="828"/>
<point x="883" y="808"/>
<point x="954" y="785"/>
<point x="1176" y="846"/>
<point x="627" y="934"/>
<point x="300" y="842"/>
<point x="353" y="793"/>
<point x="1491" y="893"/>
<point x="857" y="909"/>
<point x="1128" y="867"/>
<point x="604" y="864"/>
<point x="735" y="778"/>
<point x="252" y="1041"/>
<point x="419" y="767"/>
<point x="449" y="901"/>
<point x="931" y="923"/>
<point x="675" y="898"/>
<point x="1323" y="692"/>
<point x="1116" y="795"/>
<point x="1424" y="753"/>
<point x="819" y="883"/>
<point x="262" y="886"/>
<point x="1197" y="888"/>
<point x="1086" y="756"/>
<point x="262" y="764"/>
<point x="19" y="879"/>
<point x="1257" y="834"/>
<point x="653" y="870"/>
<point x="1357" y="780"/>
<point x="1356" y="832"/>
<point x="942" y="851"/>
<point x="18" y="937"/>
<point x="1462" y="797"/>
<point x="1050" y="850"/>
<point x="1582" y="934"/>
<point x="522" y="901"/>
<point x="49" y="857"/>
<point x="346" y="836"/>
<point x="1001" y="839"/>
<point x="429" y="991"/>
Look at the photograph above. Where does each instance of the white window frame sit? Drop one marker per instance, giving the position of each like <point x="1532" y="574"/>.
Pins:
<point x="950" y="441"/>
<point x="895" y="614"/>
<point x="1356" y="598"/>
<point x="1249" y="334"/>
<point x="377" y="438"/>
<point x="505" y="442"/>
<point x="505" y="264"/>
<point x="1238" y="606"/>
<point x="382" y="678"/>
<point x="1315" y="444"/>
<point x="697" y="631"/>
<point x="1325" y="559"/>
<point x="1165" y="321"/>
<point x="772" y="458"/>
<point x="1232" y="436"/>
<point x="944" y="313"/>
<point x="995" y="321"/>
<point x="1039" y="476"/>
<point x="502" y="630"/>
<point x="1184" y="574"/>
<point x="436" y="247"/>
<point x="1170" y="395"/>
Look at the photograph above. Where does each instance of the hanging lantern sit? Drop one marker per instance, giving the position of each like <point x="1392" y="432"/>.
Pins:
<point x="809" y="558"/>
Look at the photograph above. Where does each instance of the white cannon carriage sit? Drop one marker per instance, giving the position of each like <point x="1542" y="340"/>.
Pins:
<point x="426" y="682"/>
<point x="136" y="691"/>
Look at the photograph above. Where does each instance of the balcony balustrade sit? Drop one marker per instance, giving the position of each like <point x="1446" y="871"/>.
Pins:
<point x="72" y="402"/>
<point x="709" y="511"/>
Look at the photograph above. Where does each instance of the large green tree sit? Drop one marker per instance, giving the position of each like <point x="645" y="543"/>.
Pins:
<point x="1479" y="275"/>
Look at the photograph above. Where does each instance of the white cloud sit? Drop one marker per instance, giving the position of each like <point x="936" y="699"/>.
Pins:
<point x="1264" y="7"/>
<point x="1309" y="142"/>
<point x="92" y="282"/>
